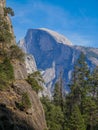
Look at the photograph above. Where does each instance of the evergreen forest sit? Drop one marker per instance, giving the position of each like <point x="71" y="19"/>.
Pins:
<point x="77" y="110"/>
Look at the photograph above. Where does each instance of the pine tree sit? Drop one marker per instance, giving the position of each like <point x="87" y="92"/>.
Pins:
<point x="78" y="88"/>
<point x="94" y="83"/>
<point x="76" y="119"/>
<point x="91" y="103"/>
<point x="79" y="83"/>
<point x="90" y="113"/>
<point x="58" y="96"/>
<point x="54" y="115"/>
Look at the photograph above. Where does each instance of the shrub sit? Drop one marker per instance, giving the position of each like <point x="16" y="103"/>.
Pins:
<point x="35" y="86"/>
<point x="3" y="82"/>
<point x="6" y="73"/>
<point x="26" y="101"/>
<point x="5" y="34"/>
<point x="16" y="53"/>
<point x="7" y="68"/>
<point x="8" y="10"/>
<point x="34" y="80"/>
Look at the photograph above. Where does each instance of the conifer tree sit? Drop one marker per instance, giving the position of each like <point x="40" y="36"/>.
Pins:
<point x="76" y="119"/>
<point x="78" y="88"/>
<point x="58" y="96"/>
<point x="91" y="105"/>
<point x="79" y="83"/>
<point x="94" y="83"/>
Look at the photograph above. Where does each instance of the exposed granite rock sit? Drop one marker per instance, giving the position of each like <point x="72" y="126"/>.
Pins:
<point x="8" y="20"/>
<point x="48" y="76"/>
<point x="20" y="71"/>
<point x="30" y="67"/>
<point x="11" y="117"/>
<point x="30" y="64"/>
<point x="2" y="5"/>
<point x="49" y="47"/>
<point x="31" y="119"/>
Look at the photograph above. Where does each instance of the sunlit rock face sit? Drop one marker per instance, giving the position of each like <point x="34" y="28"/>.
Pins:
<point x="2" y="5"/>
<point x="54" y="53"/>
<point x="30" y="64"/>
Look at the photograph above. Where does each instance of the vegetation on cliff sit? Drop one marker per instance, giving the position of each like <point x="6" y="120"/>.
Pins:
<point x="8" y="10"/>
<point x="7" y="51"/>
<point x="35" y="79"/>
<point x="6" y="73"/>
<point x="25" y="102"/>
<point x="5" y="34"/>
<point x="20" y="107"/>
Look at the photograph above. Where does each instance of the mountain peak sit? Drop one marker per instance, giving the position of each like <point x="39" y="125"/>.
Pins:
<point x="58" y="37"/>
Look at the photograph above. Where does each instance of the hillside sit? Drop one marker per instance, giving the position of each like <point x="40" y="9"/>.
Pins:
<point x="20" y="106"/>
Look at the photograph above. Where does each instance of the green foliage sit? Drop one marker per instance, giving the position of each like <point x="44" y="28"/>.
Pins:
<point x="57" y="95"/>
<point x="76" y="121"/>
<point x="3" y="82"/>
<point x="94" y="83"/>
<point x="90" y="112"/>
<point x="83" y="94"/>
<point x="78" y="110"/>
<point x="8" y="10"/>
<point x="7" y="68"/>
<point x="37" y="76"/>
<point x="54" y="115"/>
<point x="6" y="73"/>
<point x="34" y="79"/>
<point x="26" y="101"/>
<point x="5" y="34"/>
<point x="79" y="83"/>
<point x="16" y="53"/>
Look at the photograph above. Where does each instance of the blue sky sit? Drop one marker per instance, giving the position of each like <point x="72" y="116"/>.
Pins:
<point x="76" y="19"/>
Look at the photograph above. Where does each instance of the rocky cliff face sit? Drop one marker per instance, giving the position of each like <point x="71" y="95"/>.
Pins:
<point x="12" y="118"/>
<point x="2" y="6"/>
<point x="30" y="64"/>
<point x="54" y="53"/>
<point x="13" y="115"/>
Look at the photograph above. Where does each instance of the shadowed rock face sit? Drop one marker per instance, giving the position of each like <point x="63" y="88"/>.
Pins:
<point x="12" y="118"/>
<point x="10" y="121"/>
<point x="49" y="47"/>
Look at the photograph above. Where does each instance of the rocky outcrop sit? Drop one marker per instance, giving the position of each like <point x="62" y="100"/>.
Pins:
<point x="12" y="118"/>
<point x="8" y="20"/>
<point x="13" y="114"/>
<point x="20" y="71"/>
<point x="48" y="76"/>
<point x="30" y="64"/>
<point x="2" y="5"/>
<point x="49" y="47"/>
